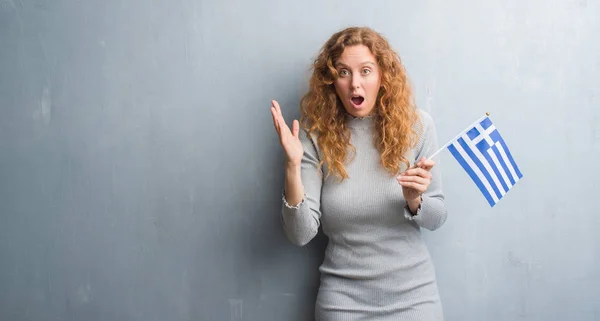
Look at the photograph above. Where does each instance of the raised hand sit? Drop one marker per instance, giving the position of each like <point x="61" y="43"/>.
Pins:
<point x="288" y="138"/>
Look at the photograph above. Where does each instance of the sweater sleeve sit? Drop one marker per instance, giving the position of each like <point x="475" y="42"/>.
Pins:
<point x="301" y="221"/>
<point x="432" y="213"/>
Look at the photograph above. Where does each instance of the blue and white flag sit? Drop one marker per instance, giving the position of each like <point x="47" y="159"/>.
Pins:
<point x="484" y="155"/>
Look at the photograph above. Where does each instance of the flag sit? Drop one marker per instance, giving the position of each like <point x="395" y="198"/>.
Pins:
<point x="483" y="154"/>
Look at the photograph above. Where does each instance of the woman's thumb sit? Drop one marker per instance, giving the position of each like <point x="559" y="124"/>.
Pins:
<point x="295" y="128"/>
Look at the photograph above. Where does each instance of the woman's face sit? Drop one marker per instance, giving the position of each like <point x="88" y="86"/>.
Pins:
<point x="359" y="80"/>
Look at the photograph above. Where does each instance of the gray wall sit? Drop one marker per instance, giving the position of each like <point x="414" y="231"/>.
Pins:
<point x="140" y="175"/>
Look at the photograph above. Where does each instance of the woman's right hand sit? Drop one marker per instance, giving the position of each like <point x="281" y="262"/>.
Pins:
<point x="289" y="139"/>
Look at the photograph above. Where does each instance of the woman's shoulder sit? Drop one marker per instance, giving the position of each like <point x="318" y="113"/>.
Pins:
<point x="425" y="131"/>
<point x="424" y="121"/>
<point x="308" y="139"/>
<point x="305" y="134"/>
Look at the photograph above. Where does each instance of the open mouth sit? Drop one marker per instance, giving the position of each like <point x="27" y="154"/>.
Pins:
<point x="357" y="100"/>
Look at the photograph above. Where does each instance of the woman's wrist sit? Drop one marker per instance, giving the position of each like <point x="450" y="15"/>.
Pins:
<point x="414" y="204"/>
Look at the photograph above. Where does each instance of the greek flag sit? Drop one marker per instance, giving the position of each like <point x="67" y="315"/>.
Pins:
<point x="483" y="154"/>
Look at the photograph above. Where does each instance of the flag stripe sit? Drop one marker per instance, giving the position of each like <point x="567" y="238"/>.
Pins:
<point x="510" y="158"/>
<point x="469" y="169"/>
<point x="498" y="139"/>
<point x="484" y="142"/>
<point x="511" y="170"/>
<point x="485" y="171"/>
<point x="484" y="148"/>
<point x="467" y="152"/>
<point x="503" y="164"/>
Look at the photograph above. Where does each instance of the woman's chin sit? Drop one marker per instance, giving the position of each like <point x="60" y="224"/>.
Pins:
<point x="359" y="111"/>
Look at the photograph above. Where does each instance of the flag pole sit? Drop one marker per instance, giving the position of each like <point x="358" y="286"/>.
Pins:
<point x="457" y="136"/>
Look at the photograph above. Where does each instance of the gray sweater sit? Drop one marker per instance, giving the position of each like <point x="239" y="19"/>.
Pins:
<point x="376" y="265"/>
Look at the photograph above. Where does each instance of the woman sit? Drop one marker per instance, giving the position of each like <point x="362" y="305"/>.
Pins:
<point x="349" y="169"/>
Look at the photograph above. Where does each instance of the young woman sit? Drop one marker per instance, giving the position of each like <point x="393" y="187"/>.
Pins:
<point x="359" y="168"/>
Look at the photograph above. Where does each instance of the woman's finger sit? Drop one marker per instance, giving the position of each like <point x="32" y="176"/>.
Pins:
<point x="278" y="108"/>
<point x="295" y="128"/>
<point x="414" y="179"/>
<point x="275" y="121"/>
<point x="277" y="113"/>
<point x="417" y="172"/>
<point x="426" y="164"/>
<point x="417" y="187"/>
<point x="284" y="130"/>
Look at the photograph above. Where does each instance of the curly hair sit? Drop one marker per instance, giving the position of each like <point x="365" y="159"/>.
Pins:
<point x="322" y="111"/>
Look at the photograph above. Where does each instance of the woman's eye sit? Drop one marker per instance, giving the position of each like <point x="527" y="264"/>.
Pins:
<point x="343" y="72"/>
<point x="366" y="71"/>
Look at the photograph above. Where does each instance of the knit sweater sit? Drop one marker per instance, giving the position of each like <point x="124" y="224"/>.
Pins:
<point x="376" y="266"/>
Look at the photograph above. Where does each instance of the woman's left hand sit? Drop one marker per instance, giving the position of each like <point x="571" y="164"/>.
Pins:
<point x="415" y="182"/>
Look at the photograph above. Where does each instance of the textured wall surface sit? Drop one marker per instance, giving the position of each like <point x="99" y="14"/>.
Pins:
<point x="141" y="177"/>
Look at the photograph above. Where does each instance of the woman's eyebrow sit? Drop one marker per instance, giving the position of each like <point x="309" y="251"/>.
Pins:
<point x="341" y="64"/>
